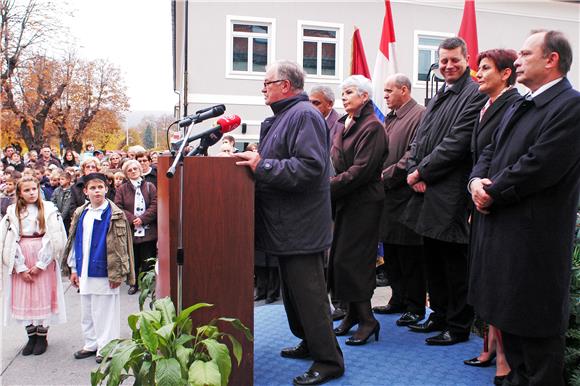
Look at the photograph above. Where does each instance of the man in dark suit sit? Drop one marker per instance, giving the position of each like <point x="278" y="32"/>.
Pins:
<point x="526" y="183"/>
<point x="403" y="247"/>
<point x="438" y="167"/>
<point x="293" y="219"/>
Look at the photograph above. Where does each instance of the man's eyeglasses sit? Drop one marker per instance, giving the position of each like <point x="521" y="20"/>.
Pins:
<point x="273" y="81"/>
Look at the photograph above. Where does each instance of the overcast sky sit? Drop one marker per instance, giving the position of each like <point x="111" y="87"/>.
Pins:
<point x="136" y="36"/>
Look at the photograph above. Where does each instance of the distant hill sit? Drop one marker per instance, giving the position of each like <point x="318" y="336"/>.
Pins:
<point x="133" y="118"/>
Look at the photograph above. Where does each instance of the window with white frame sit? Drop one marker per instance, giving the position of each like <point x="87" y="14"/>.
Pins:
<point x="426" y="52"/>
<point x="320" y="49"/>
<point x="250" y="46"/>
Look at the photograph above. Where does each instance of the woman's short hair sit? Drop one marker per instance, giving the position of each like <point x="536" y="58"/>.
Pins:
<point x="88" y="160"/>
<point x="502" y="58"/>
<point x="129" y="163"/>
<point x="362" y="84"/>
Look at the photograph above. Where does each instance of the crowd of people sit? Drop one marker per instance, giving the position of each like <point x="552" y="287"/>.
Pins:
<point x="473" y="198"/>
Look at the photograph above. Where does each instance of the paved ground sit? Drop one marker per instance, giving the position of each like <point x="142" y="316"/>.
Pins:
<point x="57" y="366"/>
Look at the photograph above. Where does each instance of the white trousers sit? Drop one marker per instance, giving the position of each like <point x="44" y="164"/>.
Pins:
<point x="100" y="320"/>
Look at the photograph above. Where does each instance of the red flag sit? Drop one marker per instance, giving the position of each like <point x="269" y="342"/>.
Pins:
<point x="468" y="32"/>
<point x="358" y="64"/>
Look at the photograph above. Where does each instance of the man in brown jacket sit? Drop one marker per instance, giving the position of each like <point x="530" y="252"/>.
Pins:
<point x="403" y="247"/>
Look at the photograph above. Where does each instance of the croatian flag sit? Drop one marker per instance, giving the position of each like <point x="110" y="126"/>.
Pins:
<point x="468" y="32"/>
<point x="386" y="63"/>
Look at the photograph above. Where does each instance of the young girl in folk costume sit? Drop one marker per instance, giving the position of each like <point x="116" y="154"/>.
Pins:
<point x="32" y="238"/>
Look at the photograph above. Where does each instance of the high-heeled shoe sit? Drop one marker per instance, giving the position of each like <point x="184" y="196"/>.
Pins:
<point x="498" y="379"/>
<point x="352" y="341"/>
<point x="344" y="327"/>
<point x="477" y="363"/>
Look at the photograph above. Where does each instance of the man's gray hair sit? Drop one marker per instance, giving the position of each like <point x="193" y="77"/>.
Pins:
<point x="291" y="71"/>
<point x="324" y="90"/>
<point x="401" y="80"/>
<point x="363" y="85"/>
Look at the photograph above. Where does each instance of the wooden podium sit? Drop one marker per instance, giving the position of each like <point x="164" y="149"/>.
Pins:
<point x="218" y="244"/>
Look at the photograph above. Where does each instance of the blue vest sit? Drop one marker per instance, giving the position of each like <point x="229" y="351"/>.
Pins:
<point x="98" y="248"/>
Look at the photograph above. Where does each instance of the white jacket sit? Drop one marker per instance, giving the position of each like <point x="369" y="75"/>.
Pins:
<point x="53" y="241"/>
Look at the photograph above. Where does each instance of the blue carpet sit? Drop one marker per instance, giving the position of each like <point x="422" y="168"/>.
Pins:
<point x="398" y="358"/>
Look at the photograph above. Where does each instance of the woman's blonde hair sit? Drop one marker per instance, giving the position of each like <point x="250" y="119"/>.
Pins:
<point x="21" y="204"/>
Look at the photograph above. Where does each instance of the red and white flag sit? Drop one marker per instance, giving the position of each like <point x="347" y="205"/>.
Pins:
<point x="468" y="32"/>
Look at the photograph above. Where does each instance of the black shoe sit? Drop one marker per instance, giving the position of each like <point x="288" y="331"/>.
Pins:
<point x="297" y="352"/>
<point x="388" y="309"/>
<point x="477" y="363"/>
<point x="41" y="343"/>
<point x="99" y="359"/>
<point x="271" y="299"/>
<point x="409" y="318"/>
<point x="132" y="290"/>
<point x="29" y="348"/>
<point x="344" y="327"/>
<point x="427" y="326"/>
<point x="313" y="377"/>
<point x="82" y="354"/>
<point x="338" y="314"/>
<point x="498" y="379"/>
<point x="382" y="280"/>
<point x="257" y="298"/>
<point x="446" y="338"/>
<point x="352" y="341"/>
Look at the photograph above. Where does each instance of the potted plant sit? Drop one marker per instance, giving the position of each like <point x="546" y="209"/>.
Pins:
<point x="165" y="349"/>
<point x="572" y="359"/>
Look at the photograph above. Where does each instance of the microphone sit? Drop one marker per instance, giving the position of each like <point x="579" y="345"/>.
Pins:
<point x="202" y="115"/>
<point x="224" y="125"/>
<point x="205" y="143"/>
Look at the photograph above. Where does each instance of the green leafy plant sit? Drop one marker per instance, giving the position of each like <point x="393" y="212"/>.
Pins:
<point x="165" y="350"/>
<point x="147" y="284"/>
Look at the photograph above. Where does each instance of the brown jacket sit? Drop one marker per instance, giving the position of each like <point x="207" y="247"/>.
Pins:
<point x="125" y="199"/>
<point x="357" y="155"/>
<point x="400" y="127"/>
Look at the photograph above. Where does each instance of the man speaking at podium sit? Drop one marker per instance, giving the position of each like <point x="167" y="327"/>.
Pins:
<point x="293" y="220"/>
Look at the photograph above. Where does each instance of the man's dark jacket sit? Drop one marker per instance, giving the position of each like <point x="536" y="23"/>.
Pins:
<point x="524" y="245"/>
<point x="441" y="153"/>
<point x="293" y="180"/>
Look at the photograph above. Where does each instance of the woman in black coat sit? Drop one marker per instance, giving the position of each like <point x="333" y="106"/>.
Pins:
<point x="357" y="153"/>
<point x="496" y="77"/>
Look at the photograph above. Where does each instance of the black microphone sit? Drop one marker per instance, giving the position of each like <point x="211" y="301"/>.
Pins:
<point x="205" y="143"/>
<point x="224" y="125"/>
<point x="201" y="115"/>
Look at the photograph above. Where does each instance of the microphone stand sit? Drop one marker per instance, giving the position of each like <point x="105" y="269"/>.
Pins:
<point x="180" y="252"/>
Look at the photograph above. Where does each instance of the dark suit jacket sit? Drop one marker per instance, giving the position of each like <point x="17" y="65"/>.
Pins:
<point x="524" y="245"/>
<point x="334" y="125"/>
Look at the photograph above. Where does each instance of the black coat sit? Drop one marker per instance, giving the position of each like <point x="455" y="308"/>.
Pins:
<point x="441" y="153"/>
<point x="521" y="282"/>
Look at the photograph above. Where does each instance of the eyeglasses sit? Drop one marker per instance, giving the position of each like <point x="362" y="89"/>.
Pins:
<point x="269" y="82"/>
<point x="143" y="161"/>
<point x="315" y="103"/>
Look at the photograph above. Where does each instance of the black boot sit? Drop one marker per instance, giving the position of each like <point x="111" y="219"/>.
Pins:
<point x="41" y="344"/>
<point x="367" y="325"/>
<point x="31" y="331"/>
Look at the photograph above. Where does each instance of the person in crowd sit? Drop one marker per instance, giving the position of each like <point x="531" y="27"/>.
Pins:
<point x="32" y="238"/>
<point x="226" y="150"/>
<point x="438" y="167"/>
<point x="16" y="161"/>
<point x="525" y="185"/>
<point x="118" y="179"/>
<point x="31" y="158"/>
<point x="230" y="140"/>
<point x="496" y="77"/>
<point x="8" y="194"/>
<point x="154" y="158"/>
<point x="69" y="159"/>
<point x="52" y="185"/>
<point x="115" y="161"/>
<point x="267" y="277"/>
<point x="133" y="150"/>
<point x="105" y="165"/>
<point x="100" y="155"/>
<point x="46" y="158"/>
<point x="88" y="166"/>
<point x="402" y="247"/>
<point x="252" y="147"/>
<point x="322" y="97"/>
<point x="8" y="151"/>
<point x="89" y="151"/>
<point x="357" y="153"/>
<point x="98" y="257"/>
<point x="138" y="199"/>
<point x="61" y="198"/>
<point x="293" y="215"/>
<point x="149" y="173"/>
